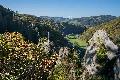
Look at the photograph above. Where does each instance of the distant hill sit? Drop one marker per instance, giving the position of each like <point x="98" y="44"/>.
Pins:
<point x="78" y="25"/>
<point x="56" y="19"/>
<point x="92" y="20"/>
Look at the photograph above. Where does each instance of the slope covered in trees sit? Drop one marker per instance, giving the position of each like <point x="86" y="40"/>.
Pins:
<point x="21" y="59"/>
<point x="30" y="26"/>
<point x="112" y="28"/>
<point x="27" y="52"/>
<point x="78" y="25"/>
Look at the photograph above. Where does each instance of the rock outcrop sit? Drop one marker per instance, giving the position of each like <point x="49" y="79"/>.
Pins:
<point x="101" y="50"/>
<point x="63" y="54"/>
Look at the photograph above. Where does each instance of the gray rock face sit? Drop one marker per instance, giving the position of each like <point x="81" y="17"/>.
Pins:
<point x="91" y="64"/>
<point x="117" y="69"/>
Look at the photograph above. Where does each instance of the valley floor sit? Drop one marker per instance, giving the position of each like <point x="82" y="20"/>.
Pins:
<point x="77" y="42"/>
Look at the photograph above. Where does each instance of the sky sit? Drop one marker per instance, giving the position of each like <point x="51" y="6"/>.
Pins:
<point x="64" y="8"/>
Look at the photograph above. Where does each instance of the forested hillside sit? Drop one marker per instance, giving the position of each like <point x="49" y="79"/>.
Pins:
<point x="33" y="48"/>
<point x="30" y="26"/>
<point x="112" y="28"/>
<point x="78" y="25"/>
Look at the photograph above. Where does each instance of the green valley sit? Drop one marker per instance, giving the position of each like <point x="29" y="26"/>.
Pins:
<point x="38" y="47"/>
<point x="76" y="41"/>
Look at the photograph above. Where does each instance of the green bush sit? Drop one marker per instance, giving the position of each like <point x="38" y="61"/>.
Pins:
<point x="101" y="55"/>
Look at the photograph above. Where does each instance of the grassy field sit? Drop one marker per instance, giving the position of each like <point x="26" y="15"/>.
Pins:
<point x="77" y="41"/>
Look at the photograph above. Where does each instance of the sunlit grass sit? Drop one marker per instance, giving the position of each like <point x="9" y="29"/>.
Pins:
<point x="77" y="41"/>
